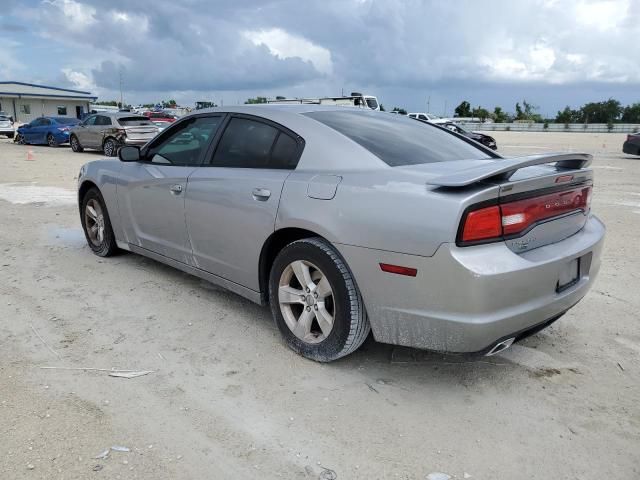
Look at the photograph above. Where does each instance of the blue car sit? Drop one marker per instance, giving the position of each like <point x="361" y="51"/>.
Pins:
<point x="51" y="131"/>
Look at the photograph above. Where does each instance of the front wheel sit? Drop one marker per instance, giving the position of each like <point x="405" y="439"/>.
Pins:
<point x="20" y="139"/>
<point x="110" y="147"/>
<point x="315" y="301"/>
<point x="97" y="225"/>
<point x="75" y="144"/>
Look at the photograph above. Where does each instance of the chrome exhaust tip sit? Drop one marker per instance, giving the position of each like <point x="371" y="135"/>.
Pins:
<point x="500" y="346"/>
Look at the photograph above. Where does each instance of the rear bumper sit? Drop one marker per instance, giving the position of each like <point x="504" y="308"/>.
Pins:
<point x="467" y="299"/>
<point x="6" y="130"/>
<point x="137" y="142"/>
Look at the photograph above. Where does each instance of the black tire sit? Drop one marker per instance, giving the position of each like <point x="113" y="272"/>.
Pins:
<point x="10" y="135"/>
<point x="107" y="247"/>
<point x="350" y="322"/>
<point x="20" y="139"/>
<point x="51" y="141"/>
<point x="75" y="144"/>
<point x="110" y="147"/>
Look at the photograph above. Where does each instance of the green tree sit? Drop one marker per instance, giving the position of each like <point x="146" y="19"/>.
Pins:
<point x="601" y="112"/>
<point x="528" y="113"/>
<point x="463" y="110"/>
<point x="631" y="113"/>
<point x="567" y="116"/>
<point x="499" y="116"/>
<point x="252" y="101"/>
<point x="107" y="103"/>
<point x="481" y="113"/>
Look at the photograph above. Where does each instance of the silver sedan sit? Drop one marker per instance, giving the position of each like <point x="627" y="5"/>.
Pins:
<point x="348" y="221"/>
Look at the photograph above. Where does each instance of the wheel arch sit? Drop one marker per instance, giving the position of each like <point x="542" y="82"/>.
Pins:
<point x="270" y="249"/>
<point x="85" y="186"/>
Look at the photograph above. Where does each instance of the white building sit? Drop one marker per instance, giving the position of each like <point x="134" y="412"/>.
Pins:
<point x="26" y="101"/>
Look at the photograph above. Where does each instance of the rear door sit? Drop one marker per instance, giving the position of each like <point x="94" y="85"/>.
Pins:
<point x="232" y="200"/>
<point x="151" y="196"/>
<point x="99" y="131"/>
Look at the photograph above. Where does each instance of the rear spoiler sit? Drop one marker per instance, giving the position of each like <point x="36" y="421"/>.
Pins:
<point x="504" y="169"/>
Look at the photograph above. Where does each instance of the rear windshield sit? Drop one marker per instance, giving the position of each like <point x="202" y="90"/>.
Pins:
<point x="134" y="121"/>
<point x="398" y="140"/>
<point x="67" y="121"/>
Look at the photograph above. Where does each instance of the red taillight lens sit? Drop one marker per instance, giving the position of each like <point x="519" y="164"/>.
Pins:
<point x="520" y="215"/>
<point x="512" y="218"/>
<point x="482" y="224"/>
<point x="399" y="270"/>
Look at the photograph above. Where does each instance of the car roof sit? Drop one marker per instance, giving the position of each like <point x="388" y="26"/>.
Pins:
<point x="120" y="114"/>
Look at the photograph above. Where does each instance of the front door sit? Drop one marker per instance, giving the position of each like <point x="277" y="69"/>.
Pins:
<point x="232" y="201"/>
<point x="152" y="193"/>
<point x="83" y="131"/>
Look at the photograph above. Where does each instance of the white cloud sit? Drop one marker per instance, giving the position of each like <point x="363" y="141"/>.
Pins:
<point x="285" y="45"/>
<point x="79" y="80"/>
<point x="602" y="15"/>
<point x="79" y="16"/>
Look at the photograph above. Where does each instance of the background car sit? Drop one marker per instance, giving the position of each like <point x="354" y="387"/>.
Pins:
<point x="423" y="116"/>
<point x="161" y="123"/>
<point x="109" y="131"/>
<point x="484" y="139"/>
<point x="160" y="116"/>
<point x="52" y="131"/>
<point x="632" y="145"/>
<point x="6" y="126"/>
<point x="422" y="236"/>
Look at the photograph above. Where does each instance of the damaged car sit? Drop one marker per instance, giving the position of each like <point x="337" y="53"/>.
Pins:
<point x="110" y="131"/>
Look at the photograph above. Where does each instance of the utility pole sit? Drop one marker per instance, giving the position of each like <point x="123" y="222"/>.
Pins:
<point x="121" y="96"/>
<point x="445" y="109"/>
<point x="429" y="104"/>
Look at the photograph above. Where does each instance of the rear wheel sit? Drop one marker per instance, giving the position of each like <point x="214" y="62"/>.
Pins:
<point x="75" y="144"/>
<point x="110" y="147"/>
<point x="10" y="135"/>
<point x="51" y="141"/>
<point x="315" y="301"/>
<point x="96" y="224"/>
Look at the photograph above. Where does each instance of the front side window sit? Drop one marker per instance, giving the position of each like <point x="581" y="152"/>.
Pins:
<point x="184" y="143"/>
<point x="245" y="144"/>
<point x="25" y="108"/>
<point x="397" y="140"/>
<point x="90" y="120"/>
<point x="103" y="121"/>
<point x="62" y="110"/>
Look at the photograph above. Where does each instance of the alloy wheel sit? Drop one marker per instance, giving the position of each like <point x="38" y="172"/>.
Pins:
<point x="306" y="301"/>
<point x="51" y="141"/>
<point x="94" y="222"/>
<point x="109" y="148"/>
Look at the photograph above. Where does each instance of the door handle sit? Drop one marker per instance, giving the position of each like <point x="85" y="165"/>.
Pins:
<point x="261" y="194"/>
<point x="176" y="189"/>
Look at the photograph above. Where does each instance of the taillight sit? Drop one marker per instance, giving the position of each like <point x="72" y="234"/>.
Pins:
<point x="63" y="129"/>
<point x="513" y="218"/>
<point x="482" y="224"/>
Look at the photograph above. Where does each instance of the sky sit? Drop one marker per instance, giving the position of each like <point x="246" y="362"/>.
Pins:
<point x="421" y="55"/>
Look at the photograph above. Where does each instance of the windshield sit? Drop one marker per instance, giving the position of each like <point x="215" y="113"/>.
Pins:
<point x="398" y="140"/>
<point x="134" y="121"/>
<point x="372" y="103"/>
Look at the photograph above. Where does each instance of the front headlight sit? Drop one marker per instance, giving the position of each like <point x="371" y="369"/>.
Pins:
<point x="82" y="171"/>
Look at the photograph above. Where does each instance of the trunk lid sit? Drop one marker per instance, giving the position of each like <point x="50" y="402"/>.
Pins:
<point x="142" y="132"/>
<point x="541" y="199"/>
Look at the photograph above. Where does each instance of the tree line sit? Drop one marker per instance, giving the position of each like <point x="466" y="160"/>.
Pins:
<point x="608" y="111"/>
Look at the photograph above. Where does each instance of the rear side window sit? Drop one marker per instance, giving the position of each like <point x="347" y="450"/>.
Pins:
<point x="134" y="121"/>
<point x="398" y="140"/>
<point x="102" y="120"/>
<point x="284" y="153"/>
<point x="245" y="144"/>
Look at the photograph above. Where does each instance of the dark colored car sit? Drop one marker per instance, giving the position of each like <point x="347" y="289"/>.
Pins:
<point x="108" y="132"/>
<point x="632" y="145"/>
<point x="486" y="140"/>
<point x="51" y="131"/>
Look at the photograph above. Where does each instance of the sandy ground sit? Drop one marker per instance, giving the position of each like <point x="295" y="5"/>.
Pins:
<point x="228" y="400"/>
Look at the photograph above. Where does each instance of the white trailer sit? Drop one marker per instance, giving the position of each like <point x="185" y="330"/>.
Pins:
<point x="354" y="100"/>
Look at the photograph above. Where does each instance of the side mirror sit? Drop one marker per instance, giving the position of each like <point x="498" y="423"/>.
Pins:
<point x="129" y="154"/>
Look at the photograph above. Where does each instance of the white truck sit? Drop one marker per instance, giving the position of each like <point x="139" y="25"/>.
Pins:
<point x="355" y="100"/>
